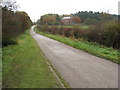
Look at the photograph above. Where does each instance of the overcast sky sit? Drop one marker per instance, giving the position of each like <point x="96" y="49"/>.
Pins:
<point x="36" y="8"/>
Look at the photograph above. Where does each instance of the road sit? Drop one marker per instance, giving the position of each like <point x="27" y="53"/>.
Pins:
<point x="78" y="68"/>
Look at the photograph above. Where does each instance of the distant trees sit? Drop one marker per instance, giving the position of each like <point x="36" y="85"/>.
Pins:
<point x="54" y="19"/>
<point x="93" y="17"/>
<point x="84" y="17"/>
<point x="50" y="19"/>
<point x="14" y="23"/>
<point x="90" y="21"/>
<point x="58" y="19"/>
<point x="76" y="20"/>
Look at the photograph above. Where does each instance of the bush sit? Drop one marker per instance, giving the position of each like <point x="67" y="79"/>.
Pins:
<point x="13" y="25"/>
<point x="94" y="34"/>
<point x="53" y="29"/>
<point x="104" y="33"/>
<point x="8" y="41"/>
<point x="110" y="36"/>
<point x="90" y="21"/>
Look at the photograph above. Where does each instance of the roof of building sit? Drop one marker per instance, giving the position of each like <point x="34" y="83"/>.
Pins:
<point x="66" y="18"/>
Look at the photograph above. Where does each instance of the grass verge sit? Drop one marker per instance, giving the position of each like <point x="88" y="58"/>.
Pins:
<point x="25" y="67"/>
<point x="57" y="73"/>
<point x="92" y="48"/>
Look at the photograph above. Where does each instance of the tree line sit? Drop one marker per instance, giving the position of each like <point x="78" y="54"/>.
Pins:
<point x="55" y="19"/>
<point x="14" y="23"/>
<point x="86" y="18"/>
<point x="50" y="19"/>
<point x="90" y="17"/>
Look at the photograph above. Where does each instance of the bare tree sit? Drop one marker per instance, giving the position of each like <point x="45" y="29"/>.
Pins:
<point x="9" y="4"/>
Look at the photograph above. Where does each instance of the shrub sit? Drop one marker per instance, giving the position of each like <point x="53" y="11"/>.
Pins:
<point x="8" y="41"/>
<point x="89" y="21"/>
<point x="13" y="25"/>
<point x="110" y="36"/>
<point x="94" y="34"/>
<point x="53" y="30"/>
<point x="104" y="33"/>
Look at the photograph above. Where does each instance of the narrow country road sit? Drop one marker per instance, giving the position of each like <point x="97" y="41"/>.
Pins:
<point x="79" y="69"/>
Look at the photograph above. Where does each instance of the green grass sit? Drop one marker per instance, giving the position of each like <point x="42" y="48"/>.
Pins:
<point x="79" y="26"/>
<point x="25" y="67"/>
<point x="72" y="26"/>
<point x="84" y="27"/>
<point x="92" y="48"/>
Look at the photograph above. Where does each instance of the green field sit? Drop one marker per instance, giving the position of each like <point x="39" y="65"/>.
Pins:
<point x="25" y="67"/>
<point x="72" y="26"/>
<point x="92" y="48"/>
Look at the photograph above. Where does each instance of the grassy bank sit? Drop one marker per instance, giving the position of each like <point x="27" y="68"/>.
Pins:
<point x="92" y="48"/>
<point x="25" y="67"/>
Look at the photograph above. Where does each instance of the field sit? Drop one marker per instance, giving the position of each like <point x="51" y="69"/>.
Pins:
<point x="92" y="48"/>
<point x="72" y="26"/>
<point x="25" y="67"/>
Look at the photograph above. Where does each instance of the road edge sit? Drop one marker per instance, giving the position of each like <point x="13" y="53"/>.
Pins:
<point x="58" y="76"/>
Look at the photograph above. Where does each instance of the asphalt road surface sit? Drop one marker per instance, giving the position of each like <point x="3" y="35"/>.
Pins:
<point x="78" y="68"/>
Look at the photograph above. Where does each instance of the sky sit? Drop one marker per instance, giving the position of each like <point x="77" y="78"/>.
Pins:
<point x="37" y="8"/>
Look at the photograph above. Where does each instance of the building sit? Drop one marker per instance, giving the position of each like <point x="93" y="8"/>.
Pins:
<point x="70" y="20"/>
<point x="66" y="20"/>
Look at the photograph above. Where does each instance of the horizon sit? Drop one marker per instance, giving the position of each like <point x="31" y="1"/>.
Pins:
<point x="36" y="8"/>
